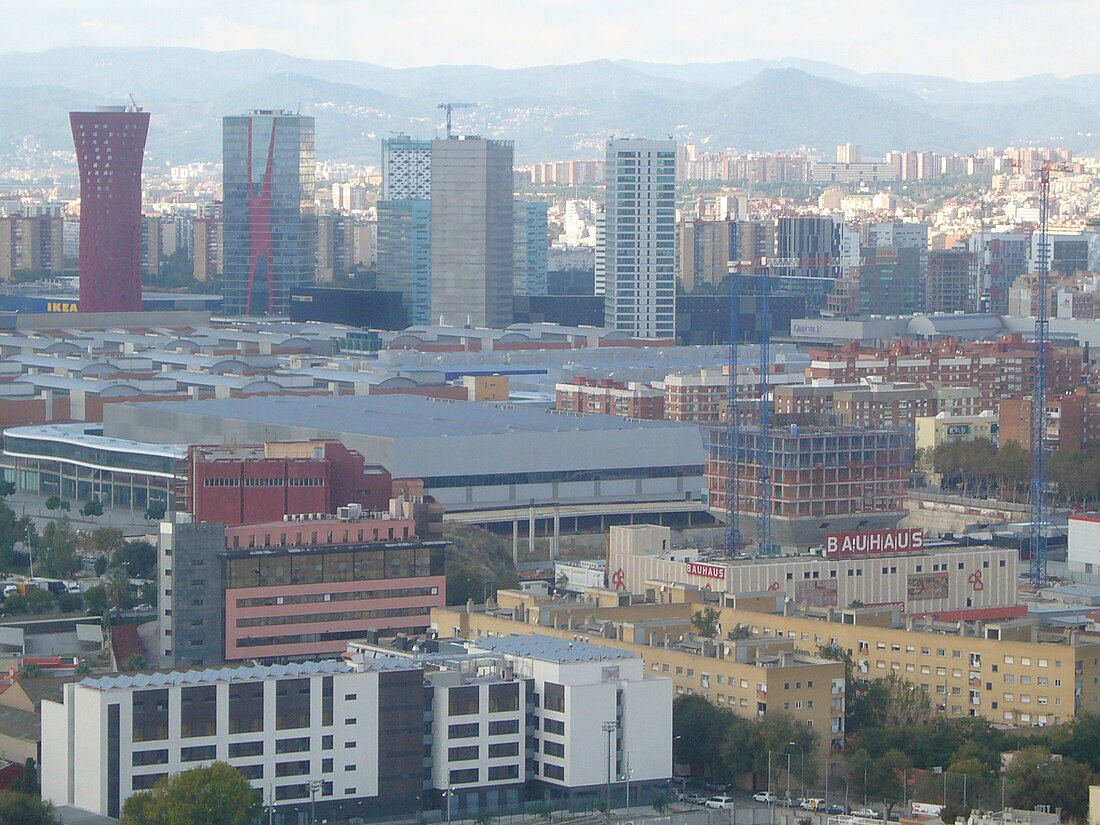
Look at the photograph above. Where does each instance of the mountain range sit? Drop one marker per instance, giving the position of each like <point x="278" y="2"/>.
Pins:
<point x="549" y="111"/>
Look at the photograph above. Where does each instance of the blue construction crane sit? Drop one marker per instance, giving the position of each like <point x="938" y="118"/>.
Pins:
<point x="764" y="441"/>
<point x="733" y="426"/>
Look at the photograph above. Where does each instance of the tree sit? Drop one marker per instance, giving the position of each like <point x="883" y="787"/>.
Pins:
<point x="7" y="488"/>
<point x="30" y="670"/>
<point x="740" y="631"/>
<point x="102" y="541"/>
<point x="138" y="557"/>
<point x="135" y="663"/>
<point x="659" y="803"/>
<point x="92" y="508"/>
<point x="53" y="502"/>
<point x="117" y="585"/>
<point x="29" y="783"/>
<point x="705" y="622"/>
<point x="699" y="729"/>
<point x="1034" y="778"/>
<point x="155" y="511"/>
<point x="95" y="600"/>
<point x="890" y="702"/>
<point x="24" y="809"/>
<point x="70" y="603"/>
<point x="57" y="550"/>
<point x="100" y="565"/>
<point x="39" y="600"/>
<point x="216" y="794"/>
<point x="879" y="778"/>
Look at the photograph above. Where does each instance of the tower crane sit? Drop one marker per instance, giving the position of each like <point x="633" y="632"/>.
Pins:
<point x="733" y="424"/>
<point x="450" y="107"/>
<point x="1040" y="487"/>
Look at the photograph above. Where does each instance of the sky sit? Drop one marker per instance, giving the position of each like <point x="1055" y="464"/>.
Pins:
<point x="964" y="39"/>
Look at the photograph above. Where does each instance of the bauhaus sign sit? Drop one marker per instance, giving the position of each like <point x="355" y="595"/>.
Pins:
<point x="710" y="571"/>
<point x="870" y="542"/>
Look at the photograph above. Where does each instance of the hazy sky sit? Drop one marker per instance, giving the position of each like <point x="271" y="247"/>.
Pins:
<point x="966" y="39"/>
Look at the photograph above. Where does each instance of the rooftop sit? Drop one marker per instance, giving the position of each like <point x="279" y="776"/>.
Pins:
<point x="207" y="676"/>
<point x="551" y="649"/>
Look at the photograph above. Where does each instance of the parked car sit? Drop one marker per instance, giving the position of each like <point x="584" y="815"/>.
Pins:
<point x="766" y="797"/>
<point x="812" y="804"/>
<point x="869" y="813"/>
<point x="837" y="808"/>
<point x="787" y="802"/>
<point x="720" y="802"/>
<point x="692" y="798"/>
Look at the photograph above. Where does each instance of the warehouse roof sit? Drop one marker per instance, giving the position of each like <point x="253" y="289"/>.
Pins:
<point x="551" y="649"/>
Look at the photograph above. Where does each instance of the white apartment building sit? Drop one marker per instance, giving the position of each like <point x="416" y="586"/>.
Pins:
<point x="351" y="736"/>
<point x="639" y="239"/>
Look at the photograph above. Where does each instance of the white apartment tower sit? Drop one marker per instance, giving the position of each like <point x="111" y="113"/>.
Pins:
<point x="639" y="245"/>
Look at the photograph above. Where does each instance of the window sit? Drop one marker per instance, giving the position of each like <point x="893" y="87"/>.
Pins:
<point x="463" y="753"/>
<point x="499" y="749"/>
<point x="554" y="726"/>
<point x="553" y="749"/>
<point x="464" y="701"/>
<point x="199" y="753"/>
<point x="503" y="697"/>
<point x="157" y="757"/>
<point x="554" y="697"/>
<point x="553" y="772"/>
<point x="464" y="776"/>
<point x="507" y="726"/>
<point x="463" y="731"/>
<point x="300" y="768"/>
<point x="501" y="772"/>
<point x="296" y="745"/>
<point x="238" y="749"/>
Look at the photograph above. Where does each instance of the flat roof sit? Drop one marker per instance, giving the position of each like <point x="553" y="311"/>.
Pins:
<point x="233" y="674"/>
<point x="406" y="416"/>
<point x="551" y="649"/>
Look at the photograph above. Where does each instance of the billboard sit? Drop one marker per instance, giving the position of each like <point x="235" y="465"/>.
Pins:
<point x="816" y="592"/>
<point x="927" y="586"/>
<point x="871" y="542"/>
<point x="710" y="571"/>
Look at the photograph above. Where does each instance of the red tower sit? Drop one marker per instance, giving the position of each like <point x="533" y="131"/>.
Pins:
<point x="110" y="143"/>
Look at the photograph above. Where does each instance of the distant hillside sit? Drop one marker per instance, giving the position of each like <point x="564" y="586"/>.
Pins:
<point x="550" y="111"/>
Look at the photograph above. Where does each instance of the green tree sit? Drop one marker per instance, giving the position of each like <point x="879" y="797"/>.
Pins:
<point x="138" y="557"/>
<point x="155" y="511"/>
<point x="135" y="663"/>
<point x="29" y="784"/>
<point x="25" y="809"/>
<point x="100" y="565"/>
<point x="891" y="702"/>
<point x="117" y="585"/>
<point x="30" y="670"/>
<point x="92" y="508"/>
<point x="1035" y="778"/>
<point x="659" y="803"/>
<point x="879" y="778"/>
<point x="15" y="605"/>
<point x="57" y="555"/>
<point x="698" y="728"/>
<point x="53" y="502"/>
<point x="7" y="488"/>
<point x="705" y="622"/>
<point x="39" y="600"/>
<point x="102" y="541"/>
<point x="216" y="794"/>
<point x="95" y="600"/>
<point x="70" y="603"/>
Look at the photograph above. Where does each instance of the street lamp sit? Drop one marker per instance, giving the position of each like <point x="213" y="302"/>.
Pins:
<point x="609" y="728"/>
<point x="801" y="770"/>
<point x="315" y="787"/>
<point x="449" y="792"/>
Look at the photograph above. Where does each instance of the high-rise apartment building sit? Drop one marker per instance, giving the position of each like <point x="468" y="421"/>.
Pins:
<point x="405" y="226"/>
<point x="1002" y="258"/>
<point x="110" y="145"/>
<point x="639" y="240"/>
<point x="806" y="257"/>
<point x="472" y="226"/>
<point x="531" y="248"/>
<point x="269" y="230"/>
<point x="31" y="245"/>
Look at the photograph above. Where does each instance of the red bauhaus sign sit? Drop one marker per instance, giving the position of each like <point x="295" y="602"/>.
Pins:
<point x="871" y="542"/>
<point x="711" y="571"/>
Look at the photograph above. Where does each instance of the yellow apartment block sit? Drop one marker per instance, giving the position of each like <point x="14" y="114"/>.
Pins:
<point x="748" y="676"/>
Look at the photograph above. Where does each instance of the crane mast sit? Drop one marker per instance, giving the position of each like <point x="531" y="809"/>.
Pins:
<point x="733" y="425"/>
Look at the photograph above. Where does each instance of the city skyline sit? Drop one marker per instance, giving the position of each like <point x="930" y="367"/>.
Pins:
<point x="913" y="40"/>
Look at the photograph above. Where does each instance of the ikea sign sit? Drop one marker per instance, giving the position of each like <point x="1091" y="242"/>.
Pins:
<point x="62" y="306"/>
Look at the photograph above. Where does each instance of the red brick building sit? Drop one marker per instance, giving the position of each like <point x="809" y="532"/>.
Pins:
<point x="608" y="397"/>
<point x="244" y="484"/>
<point x="1071" y="422"/>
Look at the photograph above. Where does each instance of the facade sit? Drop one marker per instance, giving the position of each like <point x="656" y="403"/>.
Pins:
<point x="639" y="238"/>
<point x="358" y="731"/>
<point x="1003" y="258"/>
<point x="269" y="227"/>
<point x="607" y="397"/>
<point x="1067" y="426"/>
<point x="892" y="281"/>
<point x="472" y="231"/>
<point x="405" y="254"/>
<point x="807" y="257"/>
<point x="824" y="479"/>
<point x="406" y="169"/>
<point x="335" y="247"/>
<point x="946" y="428"/>
<point x="705" y="251"/>
<point x="207" y="259"/>
<point x="110" y="146"/>
<point x="293" y="588"/>
<point x="1083" y="554"/>
<point x="245" y="484"/>
<point x="31" y="244"/>
<point x="953" y="281"/>
<point x="531" y="258"/>
<point x="919" y="578"/>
